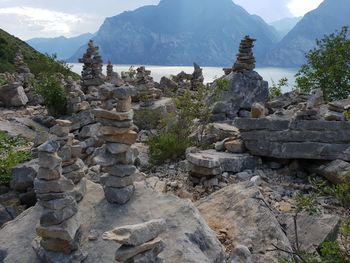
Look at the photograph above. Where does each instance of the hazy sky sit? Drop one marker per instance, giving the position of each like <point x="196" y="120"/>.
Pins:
<point x="49" y="18"/>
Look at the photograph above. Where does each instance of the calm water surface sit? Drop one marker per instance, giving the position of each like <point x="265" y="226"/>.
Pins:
<point x="210" y="73"/>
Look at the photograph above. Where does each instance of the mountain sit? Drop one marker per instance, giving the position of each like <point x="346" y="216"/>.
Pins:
<point x="63" y="47"/>
<point x="331" y="15"/>
<point x="37" y="62"/>
<point x="284" y="25"/>
<point x="180" y="32"/>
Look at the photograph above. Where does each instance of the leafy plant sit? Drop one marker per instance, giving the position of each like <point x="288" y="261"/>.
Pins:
<point x="132" y="72"/>
<point x="328" y="67"/>
<point x="193" y="112"/>
<point x="11" y="154"/>
<point x="276" y="88"/>
<point x="54" y="95"/>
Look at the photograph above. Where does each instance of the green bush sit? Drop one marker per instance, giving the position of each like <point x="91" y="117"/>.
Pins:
<point x="276" y="88"/>
<point x="328" y="67"/>
<point x="55" y="96"/>
<point x="167" y="146"/>
<point x="11" y="154"/>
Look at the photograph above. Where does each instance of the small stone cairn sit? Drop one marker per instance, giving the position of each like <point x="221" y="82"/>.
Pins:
<point x="76" y="99"/>
<point x="92" y="69"/>
<point x="197" y="77"/>
<point x="58" y="230"/>
<point x="139" y="243"/>
<point x="245" y="57"/>
<point x="116" y="157"/>
<point x="20" y="66"/>
<point x="113" y="77"/>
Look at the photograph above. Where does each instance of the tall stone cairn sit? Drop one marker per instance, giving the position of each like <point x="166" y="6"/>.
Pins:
<point x="245" y="57"/>
<point x="92" y="68"/>
<point x="76" y="97"/>
<point x="117" y="156"/>
<point x="73" y="167"/>
<point x="58" y="229"/>
<point x="20" y="66"/>
<point x="109" y="71"/>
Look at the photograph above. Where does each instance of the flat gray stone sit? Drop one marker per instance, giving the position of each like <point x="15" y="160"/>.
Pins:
<point x="135" y="235"/>
<point x="119" y="195"/>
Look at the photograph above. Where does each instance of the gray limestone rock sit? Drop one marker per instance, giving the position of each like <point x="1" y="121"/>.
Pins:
<point x="23" y="175"/>
<point x="135" y="235"/>
<point x="56" y="186"/>
<point x="118" y="182"/>
<point x="13" y="95"/>
<point x="119" y="195"/>
<point x="241" y="254"/>
<point x="240" y="209"/>
<point x="49" y="147"/>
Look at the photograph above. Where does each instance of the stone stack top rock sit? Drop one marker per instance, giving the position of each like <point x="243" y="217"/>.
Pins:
<point x="245" y="58"/>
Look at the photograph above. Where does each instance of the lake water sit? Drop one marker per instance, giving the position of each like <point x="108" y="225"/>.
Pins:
<point x="210" y="73"/>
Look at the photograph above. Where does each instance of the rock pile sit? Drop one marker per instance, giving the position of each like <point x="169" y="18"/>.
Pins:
<point x="58" y="230"/>
<point x="116" y="157"/>
<point x="140" y="243"/>
<point x="210" y="164"/>
<point x="176" y="85"/>
<point x="92" y="68"/>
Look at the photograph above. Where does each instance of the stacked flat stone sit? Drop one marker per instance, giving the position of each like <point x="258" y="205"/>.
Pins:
<point x="58" y="230"/>
<point x="92" y="68"/>
<point x="140" y="243"/>
<point x="109" y="71"/>
<point x="73" y="168"/>
<point x="197" y="77"/>
<point x="245" y="58"/>
<point x="20" y="66"/>
<point x="113" y="77"/>
<point x="117" y="157"/>
<point x="146" y="88"/>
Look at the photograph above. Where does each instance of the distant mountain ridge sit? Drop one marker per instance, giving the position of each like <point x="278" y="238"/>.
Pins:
<point x="63" y="47"/>
<point x="331" y="15"/>
<point x="283" y="26"/>
<point x="180" y="32"/>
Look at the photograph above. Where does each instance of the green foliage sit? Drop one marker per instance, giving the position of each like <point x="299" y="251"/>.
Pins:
<point x="54" y="95"/>
<point x="132" y="72"/>
<point x="37" y="62"/>
<point x="276" y="88"/>
<point x="347" y="115"/>
<point x="175" y="130"/>
<point x="306" y="203"/>
<point x="11" y="154"/>
<point x="3" y="81"/>
<point x="328" y="67"/>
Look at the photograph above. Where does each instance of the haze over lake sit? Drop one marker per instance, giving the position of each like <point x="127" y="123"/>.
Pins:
<point x="210" y="73"/>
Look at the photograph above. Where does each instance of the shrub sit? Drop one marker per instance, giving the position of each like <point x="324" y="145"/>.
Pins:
<point x="328" y="67"/>
<point x="11" y="154"/>
<point x="276" y="88"/>
<point x="54" y="95"/>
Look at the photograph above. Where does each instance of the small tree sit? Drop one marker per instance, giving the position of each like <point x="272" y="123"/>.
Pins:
<point x="275" y="89"/>
<point x="328" y="67"/>
<point x="55" y="97"/>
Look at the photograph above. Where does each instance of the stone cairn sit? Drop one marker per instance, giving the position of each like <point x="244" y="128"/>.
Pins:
<point x="147" y="93"/>
<point x="20" y="66"/>
<point x="139" y="243"/>
<point x="73" y="167"/>
<point x="116" y="157"/>
<point x="58" y="230"/>
<point x="197" y="77"/>
<point x="76" y="99"/>
<point x="109" y="71"/>
<point x="113" y="77"/>
<point x="92" y="68"/>
<point x="245" y="57"/>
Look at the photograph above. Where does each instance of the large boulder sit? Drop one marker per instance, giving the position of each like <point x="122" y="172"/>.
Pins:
<point x="241" y="211"/>
<point x="13" y="95"/>
<point x="187" y="239"/>
<point x="244" y="90"/>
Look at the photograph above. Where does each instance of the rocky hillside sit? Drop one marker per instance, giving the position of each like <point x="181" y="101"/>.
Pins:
<point x="180" y="32"/>
<point x="37" y="62"/>
<point x="62" y="46"/>
<point x="331" y="15"/>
